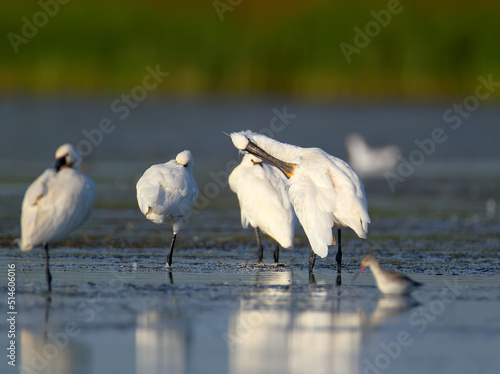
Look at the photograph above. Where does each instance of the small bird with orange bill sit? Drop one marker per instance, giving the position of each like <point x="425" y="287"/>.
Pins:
<point x="388" y="282"/>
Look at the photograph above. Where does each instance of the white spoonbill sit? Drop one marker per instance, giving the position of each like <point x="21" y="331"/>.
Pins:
<point x="57" y="203"/>
<point x="264" y="202"/>
<point x="324" y="190"/>
<point x="167" y="192"/>
<point x="389" y="282"/>
<point x="369" y="161"/>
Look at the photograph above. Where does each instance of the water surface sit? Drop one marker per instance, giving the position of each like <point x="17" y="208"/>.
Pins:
<point x="115" y="308"/>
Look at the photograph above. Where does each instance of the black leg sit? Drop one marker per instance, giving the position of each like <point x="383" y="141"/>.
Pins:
<point x="170" y="276"/>
<point x="339" y="254"/>
<point x="312" y="260"/>
<point x="48" y="301"/>
<point x="48" y="276"/>
<point x="260" y="249"/>
<point x="170" y="254"/>
<point x="277" y="253"/>
<point x="312" y="278"/>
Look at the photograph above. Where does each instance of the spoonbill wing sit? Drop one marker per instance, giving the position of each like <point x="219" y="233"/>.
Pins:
<point x="166" y="192"/>
<point x="313" y="206"/>
<point x="55" y="205"/>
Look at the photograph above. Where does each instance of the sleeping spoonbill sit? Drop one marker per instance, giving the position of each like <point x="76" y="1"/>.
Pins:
<point x="324" y="190"/>
<point x="57" y="203"/>
<point x="264" y="202"/>
<point x="167" y="192"/>
<point x="388" y="282"/>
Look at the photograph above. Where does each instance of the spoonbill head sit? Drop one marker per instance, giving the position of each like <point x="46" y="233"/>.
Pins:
<point x="67" y="156"/>
<point x="242" y="142"/>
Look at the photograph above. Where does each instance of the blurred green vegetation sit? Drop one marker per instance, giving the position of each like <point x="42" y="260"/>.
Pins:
<point x="284" y="47"/>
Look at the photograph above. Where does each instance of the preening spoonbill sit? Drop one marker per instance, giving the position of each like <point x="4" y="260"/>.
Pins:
<point x="388" y="282"/>
<point x="57" y="203"/>
<point x="368" y="161"/>
<point x="264" y="202"/>
<point x="324" y="190"/>
<point x="167" y="192"/>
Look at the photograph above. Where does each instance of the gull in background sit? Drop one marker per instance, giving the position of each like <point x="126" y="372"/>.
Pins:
<point x="368" y="161"/>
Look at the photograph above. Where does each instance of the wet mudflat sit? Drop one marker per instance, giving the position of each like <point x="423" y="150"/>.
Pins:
<point x="116" y="308"/>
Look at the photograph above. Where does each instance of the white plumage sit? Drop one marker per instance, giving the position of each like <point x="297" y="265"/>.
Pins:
<point x="57" y="203"/>
<point x="324" y="190"/>
<point x="368" y="161"/>
<point x="264" y="203"/>
<point x="166" y="193"/>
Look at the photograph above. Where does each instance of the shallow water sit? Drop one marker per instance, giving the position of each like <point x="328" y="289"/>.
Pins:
<point x="115" y="307"/>
<point x="257" y="321"/>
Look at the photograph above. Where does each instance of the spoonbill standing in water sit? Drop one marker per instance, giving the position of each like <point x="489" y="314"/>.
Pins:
<point x="167" y="192"/>
<point x="324" y="190"/>
<point x="57" y="203"/>
<point x="264" y="202"/>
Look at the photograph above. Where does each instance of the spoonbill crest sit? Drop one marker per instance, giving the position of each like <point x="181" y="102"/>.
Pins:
<point x="324" y="190"/>
<point x="57" y="203"/>
<point x="166" y="193"/>
<point x="264" y="202"/>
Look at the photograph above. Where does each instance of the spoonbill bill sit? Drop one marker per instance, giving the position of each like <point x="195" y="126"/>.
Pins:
<point x="369" y="161"/>
<point x="388" y="282"/>
<point x="264" y="202"/>
<point x="166" y="193"/>
<point x="324" y="190"/>
<point x="57" y="203"/>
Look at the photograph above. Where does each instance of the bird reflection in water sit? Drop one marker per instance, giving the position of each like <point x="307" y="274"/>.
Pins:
<point x="163" y="340"/>
<point x="388" y="308"/>
<point x="281" y="327"/>
<point x="52" y="350"/>
<point x="257" y="332"/>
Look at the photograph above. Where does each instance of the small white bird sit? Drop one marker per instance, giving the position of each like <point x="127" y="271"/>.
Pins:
<point x="167" y="192"/>
<point x="388" y="282"/>
<point x="491" y="208"/>
<point x="264" y="202"/>
<point x="324" y="190"/>
<point x="368" y="161"/>
<point x="57" y="203"/>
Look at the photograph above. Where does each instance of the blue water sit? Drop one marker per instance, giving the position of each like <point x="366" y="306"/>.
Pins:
<point x="159" y="128"/>
<point x="221" y="312"/>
